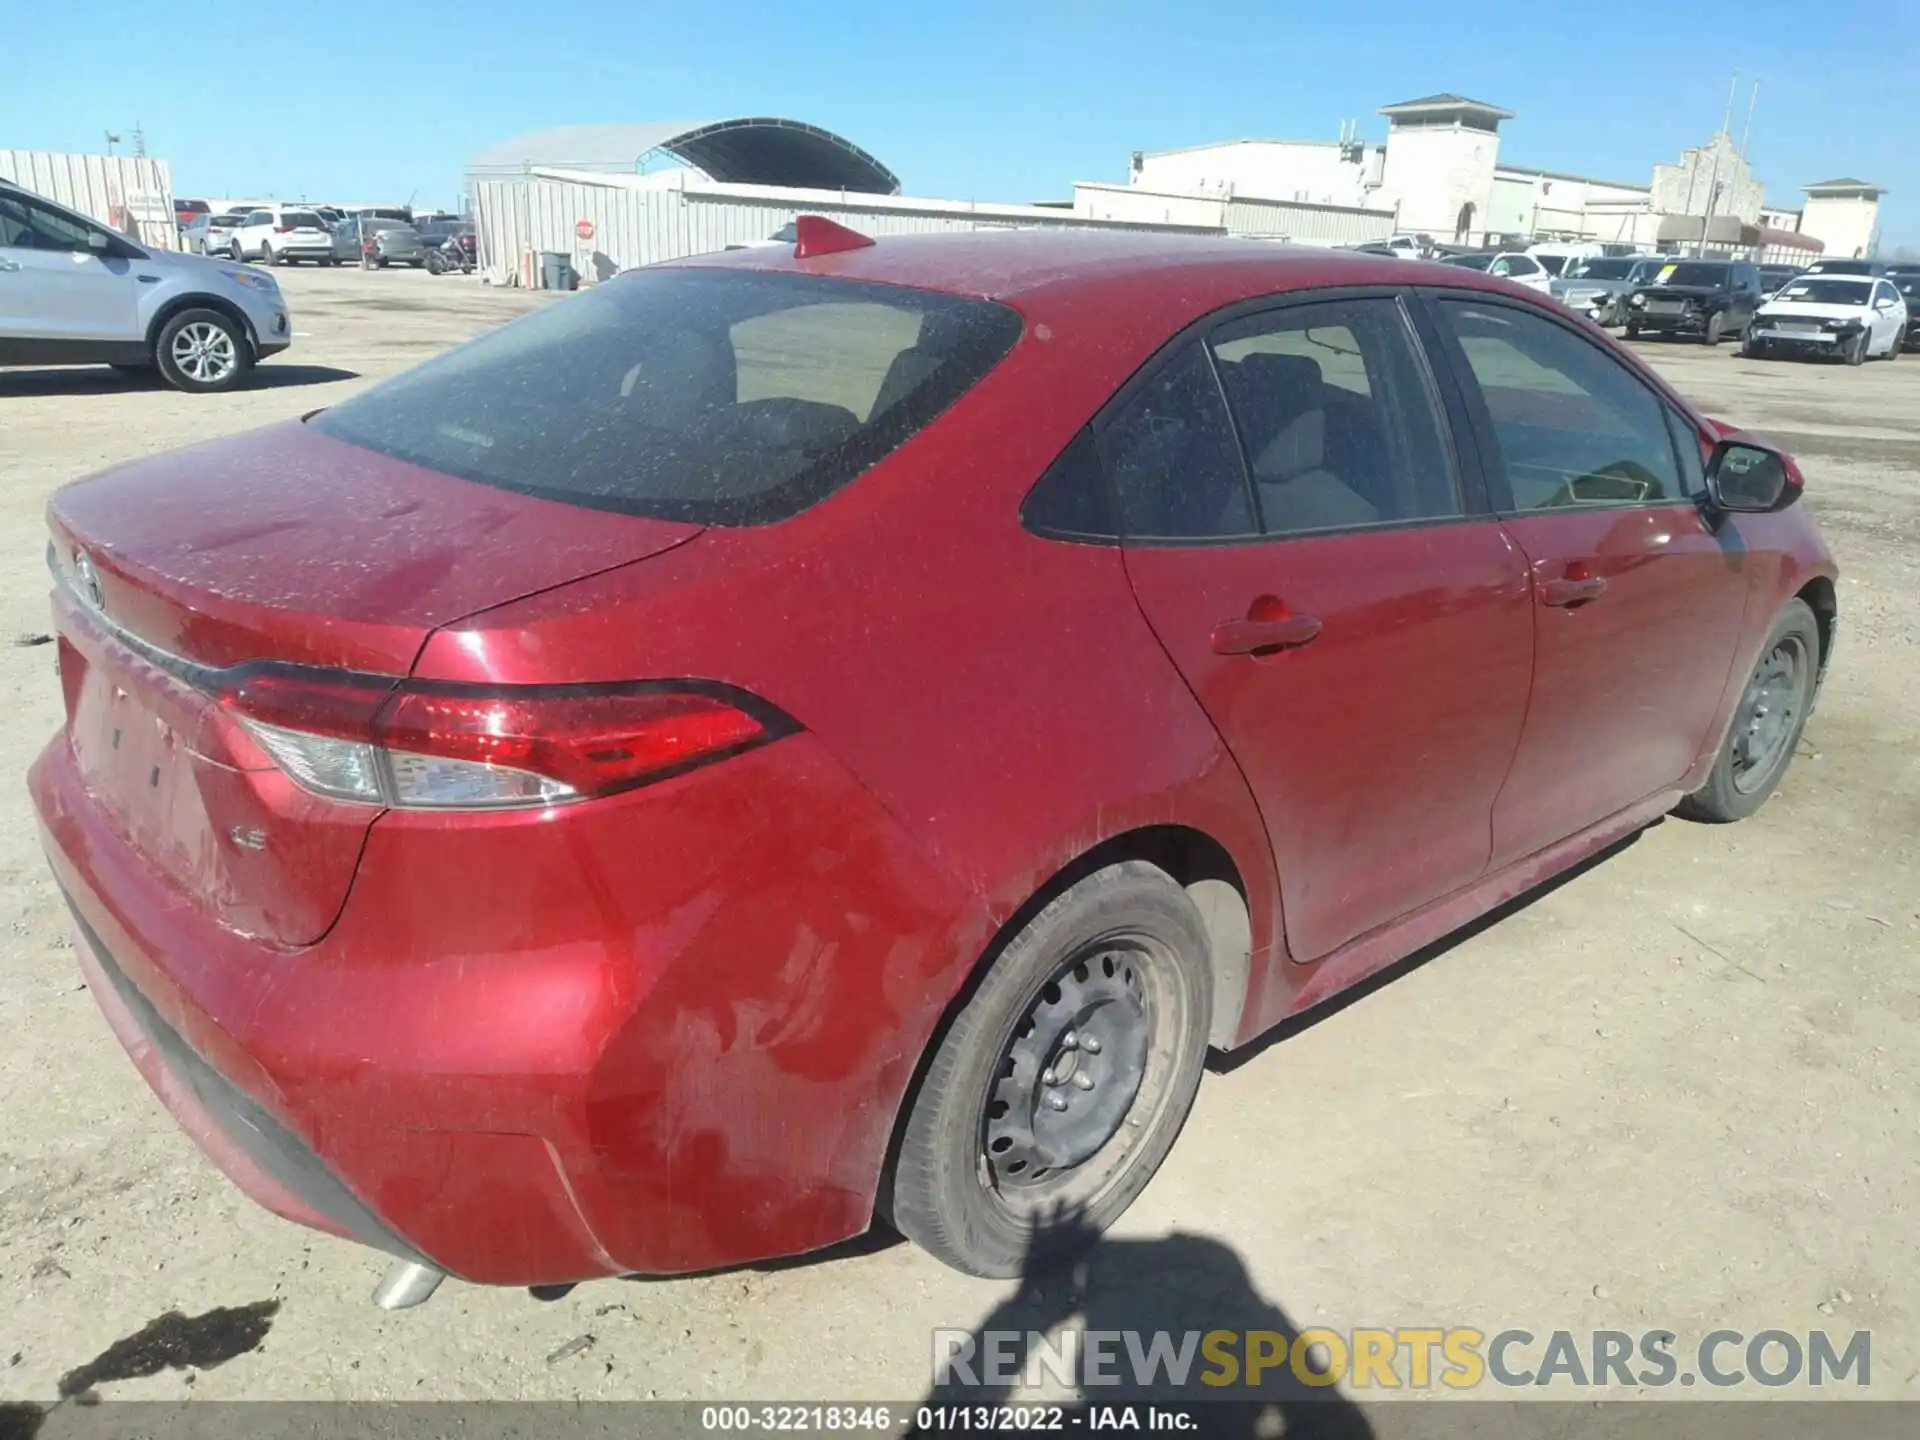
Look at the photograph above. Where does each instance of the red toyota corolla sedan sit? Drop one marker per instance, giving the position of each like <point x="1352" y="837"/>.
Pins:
<point x="842" y="729"/>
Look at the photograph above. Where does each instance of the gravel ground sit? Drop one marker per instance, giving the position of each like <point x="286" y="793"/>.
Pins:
<point x="1677" y="1090"/>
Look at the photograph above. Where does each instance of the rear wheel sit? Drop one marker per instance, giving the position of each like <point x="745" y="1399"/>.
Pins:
<point x="1766" y="723"/>
<point x="202" y="351"/>
<point x="1899" y="344"/>
<point x="1059" y="1088"/>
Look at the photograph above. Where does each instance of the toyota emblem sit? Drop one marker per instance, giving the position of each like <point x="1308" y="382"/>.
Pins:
<point x="89" y="579"/>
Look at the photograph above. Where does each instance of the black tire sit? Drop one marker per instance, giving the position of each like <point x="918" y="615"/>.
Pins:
<point x="1128" y="933"/>
<point x="238" y="256"/>
<point x="1741" y="780"/>
<point x="1857" y="352"/>
<point x="1716" y="327"/>
<point x="1633" y="330"/>
<point x="266" y="254"/>
<point x="1752" y="349"/>
<point x="435" y="266"/>
<point x="202" y="378"/>
<point x="381" y="263"/>
<point x="1899" y="344"/>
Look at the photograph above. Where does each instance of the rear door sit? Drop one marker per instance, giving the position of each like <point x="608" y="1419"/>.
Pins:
<point x="1359" y="630"/>
<point x="1638" y="599"/>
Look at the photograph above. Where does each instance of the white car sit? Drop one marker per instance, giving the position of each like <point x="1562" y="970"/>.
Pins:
<point x="1508" y="265"/>
<point x="281" y="235"/>
<point x="1856" y="317"/>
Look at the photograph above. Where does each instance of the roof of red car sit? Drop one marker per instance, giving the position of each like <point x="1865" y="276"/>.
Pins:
<point x="1022" y="264"/>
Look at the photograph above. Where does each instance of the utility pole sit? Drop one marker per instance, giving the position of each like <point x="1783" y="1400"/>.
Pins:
<point x="1713" y="175"/>
<point x="139" y="141"/>
<point x="1753" y="99"/>
<point x="112" y="140"/>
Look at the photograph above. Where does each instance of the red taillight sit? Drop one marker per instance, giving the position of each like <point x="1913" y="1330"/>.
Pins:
<point x="433" y="744"/>
<point x="283" y="229"/>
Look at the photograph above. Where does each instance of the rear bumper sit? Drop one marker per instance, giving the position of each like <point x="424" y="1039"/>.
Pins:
<point x="663" y="1032"/>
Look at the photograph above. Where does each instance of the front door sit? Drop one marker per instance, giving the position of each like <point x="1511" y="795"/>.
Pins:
<point x="1639" y="600"/>
<point x="1361" y="637"/>
<point x="53" y="285"/>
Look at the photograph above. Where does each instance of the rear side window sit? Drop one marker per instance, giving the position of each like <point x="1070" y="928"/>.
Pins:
<point x="711" y="396"/>
<point x="1573" y="426"/>
<point x="1336" y="416"/>
<point x="1172" y="458"/>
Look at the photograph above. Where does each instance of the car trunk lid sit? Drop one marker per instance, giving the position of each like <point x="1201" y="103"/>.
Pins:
<point x="280" y="546"/>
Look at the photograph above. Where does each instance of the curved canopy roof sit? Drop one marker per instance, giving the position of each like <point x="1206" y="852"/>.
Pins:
<point x="754" y="151"/>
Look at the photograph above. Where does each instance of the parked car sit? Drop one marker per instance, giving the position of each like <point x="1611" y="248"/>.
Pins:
<point x="185" y="212"/>
<point x="394" y="241"/>
<point x="382" y="212"/>
<point x="1508" y="265"/>
<point x="217" y="237"/>
<point x="282" y="236"/>
<point x="1774" y="277"/>
<point x="1846" y="267"/>
<point x="1558" y="257"/>
<point x="1707" y="299"/>
<point x="73" y="292"/>
<point x="1852" y="317"/>
<point x="763" y="928"/>
<point x="1597" y="287"/>
<point x="1909" y="287"/>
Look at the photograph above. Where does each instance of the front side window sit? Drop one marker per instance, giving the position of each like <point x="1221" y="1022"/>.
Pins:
<point x="1572" y="425"/>
<point x="713" y="396"/>
<point x="1171" y="457"/>
<point x="1335" y="416"/>
<point x="27" y="226"/>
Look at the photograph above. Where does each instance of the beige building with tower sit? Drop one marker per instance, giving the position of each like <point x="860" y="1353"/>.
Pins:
<point x="1439" y="173"/>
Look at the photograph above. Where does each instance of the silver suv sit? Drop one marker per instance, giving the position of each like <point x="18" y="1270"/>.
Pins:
<point x="72" y="292"/>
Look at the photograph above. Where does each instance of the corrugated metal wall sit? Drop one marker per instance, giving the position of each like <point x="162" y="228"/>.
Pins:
<point x="634" y="226"/>
<point x="132" y="194"/>
<point x="1308" y="224"/>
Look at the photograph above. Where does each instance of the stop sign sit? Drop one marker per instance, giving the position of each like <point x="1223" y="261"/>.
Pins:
<point x="583" y="227"/>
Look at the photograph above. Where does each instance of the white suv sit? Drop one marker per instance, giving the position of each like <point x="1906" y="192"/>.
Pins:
<point x="282" y="235"/>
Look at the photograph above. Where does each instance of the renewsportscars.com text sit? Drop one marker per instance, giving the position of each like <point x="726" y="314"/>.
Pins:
<point x="1415" y="1358"/>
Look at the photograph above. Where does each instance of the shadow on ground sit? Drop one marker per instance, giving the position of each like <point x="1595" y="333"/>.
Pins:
<point x="99" y="380"/>
<point x="1173" y="1290"/>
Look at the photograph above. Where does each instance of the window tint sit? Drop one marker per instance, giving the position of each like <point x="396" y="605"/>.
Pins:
<point x="1686" y="442"/>
<point x="1334" y="412"/>
<point x="27" y="226"/>
<point x="259" y="217"/>
<point x="1072" y="500"/>
<point x="1522" y="265"/>
<point x="1172" y="459"/>
<point x="712" y="396"/>
<point x="1573" y="426"/>
<point x="300" y="220"/>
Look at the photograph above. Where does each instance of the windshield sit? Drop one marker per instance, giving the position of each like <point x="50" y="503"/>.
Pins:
<point x="713" y="396"/>
<point x="1841" y="267"/>
<point x="1552" y="264"/>
<point x="1704" y="275"/>
<point x="1600" y="269"/>
<point x="1817" y="290"/>
<point x="1471" y="262"/>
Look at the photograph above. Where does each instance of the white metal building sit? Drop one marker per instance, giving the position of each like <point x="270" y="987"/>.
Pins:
<point x="1845" y="215"/>
<point x="593" y="194"/>
<point x="130" y="193"/>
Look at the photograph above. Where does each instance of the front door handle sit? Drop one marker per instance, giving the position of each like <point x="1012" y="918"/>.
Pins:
<point x="1572" y="590"/>
<point x="9" y="264"/>
<point x="1257" y="635"/>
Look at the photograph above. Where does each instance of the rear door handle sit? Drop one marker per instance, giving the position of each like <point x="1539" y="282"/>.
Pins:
<point x="1571" y="590"/>
<point x="1252" y="637"/>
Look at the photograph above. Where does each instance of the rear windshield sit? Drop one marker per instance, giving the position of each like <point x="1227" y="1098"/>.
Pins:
<point x="1472" y="262"/>
<point x="1817" y="290"/>
<point x="301" y="220"/>
<point x="1841" y="267"/>
<point x="711" y="396"/>
<point x="1708" y="276"/>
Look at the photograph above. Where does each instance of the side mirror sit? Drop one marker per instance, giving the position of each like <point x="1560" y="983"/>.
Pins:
<point x="99" y="243"/>
<point x="1883" y="304"/>
<point x="1751" y="479"/>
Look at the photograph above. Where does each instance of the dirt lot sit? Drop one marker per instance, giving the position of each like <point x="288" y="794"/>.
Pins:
<point x="1678" y="1090"/>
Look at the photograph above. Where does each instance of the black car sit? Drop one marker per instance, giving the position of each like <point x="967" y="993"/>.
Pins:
<point x="1907" y="282"/>
<point x="1846" y="267"/>
<point x="1774" y="278"/>
<point x="1708" y="299"/>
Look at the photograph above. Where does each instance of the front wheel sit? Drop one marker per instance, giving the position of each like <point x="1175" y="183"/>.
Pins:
<point x="202" y="351"/>
<point x="1750" y="348"/>
<point x="1633" y="331"/>
<point x="1857" y="351"/>
<point x="1767" y="722"/>
<point x="1716" y="327"/>
<point x="1060" y="1086"/>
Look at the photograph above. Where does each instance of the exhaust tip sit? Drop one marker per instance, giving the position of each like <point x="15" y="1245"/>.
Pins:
<point x="407" y="1284"/>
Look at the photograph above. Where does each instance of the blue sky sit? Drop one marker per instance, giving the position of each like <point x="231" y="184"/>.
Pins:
<point x="994" y="100"/>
